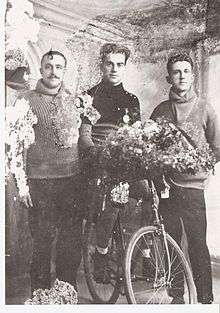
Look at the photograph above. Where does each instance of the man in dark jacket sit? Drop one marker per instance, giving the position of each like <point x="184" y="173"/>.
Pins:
<point x="186" y="196"/>
<point x="115" y="105"/>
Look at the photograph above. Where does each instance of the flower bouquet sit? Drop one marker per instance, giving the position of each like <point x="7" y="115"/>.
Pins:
<point x="153" y="149"/>
<point x="60" y="293"/>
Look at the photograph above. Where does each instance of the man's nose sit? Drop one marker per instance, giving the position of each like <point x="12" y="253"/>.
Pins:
<point x="53" y="71"/>
<point x="114" y="67"/>
<point x="182" y="74"/>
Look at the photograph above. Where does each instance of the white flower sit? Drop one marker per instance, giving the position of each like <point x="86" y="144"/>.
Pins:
<point x="137" y="124"/>
<point x="77" y="102"/>
<point x="201" y="28"/>
<point x="120" y="193"/>
<point x="21" y="109"/>
<point x="138" y="151"/>
<point x="87" y="100"/>
<point x="150" y="128"/>
<point x="126" y="118"/>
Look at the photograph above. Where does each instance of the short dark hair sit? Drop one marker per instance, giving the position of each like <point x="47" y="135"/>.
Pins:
<point x="51" y="53"/>
<point x="179" y="57"/>
<point x="114" y="48"/>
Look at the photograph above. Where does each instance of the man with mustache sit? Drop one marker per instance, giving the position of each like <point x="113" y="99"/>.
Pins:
<point x="53" y="179"/>
<point x="116" y="106"/>
<point x="186" y="196"/>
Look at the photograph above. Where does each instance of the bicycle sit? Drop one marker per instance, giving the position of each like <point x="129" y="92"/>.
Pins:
<point x="150" y="269"/>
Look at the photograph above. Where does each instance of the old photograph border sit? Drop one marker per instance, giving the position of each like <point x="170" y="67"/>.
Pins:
<point x="214" y="308"/>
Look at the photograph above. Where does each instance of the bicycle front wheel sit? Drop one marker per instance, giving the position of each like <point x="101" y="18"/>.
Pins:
<point x="153" y="276"/>
<point x="101" y="293"/>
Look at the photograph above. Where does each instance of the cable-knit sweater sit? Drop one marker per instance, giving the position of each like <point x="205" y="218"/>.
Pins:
<point x="204" y="128"/>
<point x="44" y="158"/>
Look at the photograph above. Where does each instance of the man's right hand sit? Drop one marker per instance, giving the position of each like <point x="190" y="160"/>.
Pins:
<point x="26" y="200"/>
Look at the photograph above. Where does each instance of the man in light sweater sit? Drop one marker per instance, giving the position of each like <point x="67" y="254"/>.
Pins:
<point x="186" y="196"/>
<point x="53" y="178"/>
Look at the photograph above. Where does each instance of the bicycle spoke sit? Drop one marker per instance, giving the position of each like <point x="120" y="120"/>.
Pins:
<point x="152" y="286"/>
<point x="154" y="295"/>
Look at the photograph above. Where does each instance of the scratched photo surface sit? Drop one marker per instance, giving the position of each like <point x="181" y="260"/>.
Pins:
<point x="153" y="31"/>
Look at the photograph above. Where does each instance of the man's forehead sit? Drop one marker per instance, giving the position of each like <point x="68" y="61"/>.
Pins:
<point x="181" y="65"/>
<point x="119" y="57"/>
<point x="53" y="59"/>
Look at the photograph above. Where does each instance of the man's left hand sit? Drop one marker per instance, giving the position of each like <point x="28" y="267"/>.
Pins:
<point x="26" y="200"/>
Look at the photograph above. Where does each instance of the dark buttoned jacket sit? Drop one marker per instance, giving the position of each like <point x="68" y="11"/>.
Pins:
<point x="113" y="103"/>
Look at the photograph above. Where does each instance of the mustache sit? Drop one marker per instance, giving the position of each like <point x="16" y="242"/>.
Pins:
<point x="53" y="76"/>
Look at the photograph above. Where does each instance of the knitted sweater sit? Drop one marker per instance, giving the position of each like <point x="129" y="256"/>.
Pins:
<point x="191" y="110"/>
<point x="44" y="158"/>
<point x="112" y="102"/>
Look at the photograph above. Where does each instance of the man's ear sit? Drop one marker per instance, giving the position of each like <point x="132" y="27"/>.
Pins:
<point x="168" y="79"/>
<point x="101" y="67"/>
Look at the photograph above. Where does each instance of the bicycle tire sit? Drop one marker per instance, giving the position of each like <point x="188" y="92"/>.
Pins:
<point x="151" y="287"/>
<point x="101" y="293"/>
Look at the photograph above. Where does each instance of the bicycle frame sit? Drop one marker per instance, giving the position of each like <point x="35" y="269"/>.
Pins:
<point x="158" y="223"/>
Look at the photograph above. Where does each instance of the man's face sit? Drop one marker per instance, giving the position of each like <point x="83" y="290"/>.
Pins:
<point x="113" y="68"/>
<point x="181" y="76"/>
<point x="53" y="70"/>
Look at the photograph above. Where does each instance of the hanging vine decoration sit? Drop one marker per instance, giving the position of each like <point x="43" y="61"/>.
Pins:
<point x="152" y="35"/>
<point x="84" y="51"/>
<point x="171" y="25"/>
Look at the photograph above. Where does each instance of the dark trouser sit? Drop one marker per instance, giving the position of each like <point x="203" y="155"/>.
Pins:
<point x="55" y="213"/>
<point x="107" y="218"/>
<point x="188" y="204"/>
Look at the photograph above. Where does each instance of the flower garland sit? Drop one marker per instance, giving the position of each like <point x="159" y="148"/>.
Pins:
<point x="66" y="116"/>
<point x="151" y="150"/>
<point x="60" y="293"/>
<point x="65" y="119"/>
<point x="19" y="136"/>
